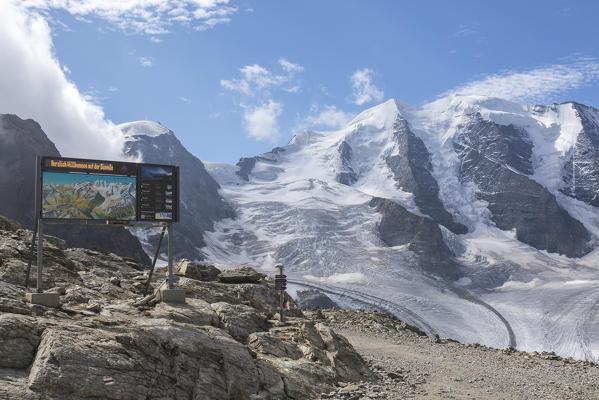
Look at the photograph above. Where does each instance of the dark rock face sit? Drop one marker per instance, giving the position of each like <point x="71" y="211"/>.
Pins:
<point x="247" y="164"/>
<point x="581" y="171"/>
<point x="20" y="142"/>
<point x="200" y="203"/>
<point x="245" y="167"/>
<point x="422" y="235"/>
<point x="411" y="170"/>
<point x="312" y="298"/>
<point x="495" y="158"/>
<point x="346" y="176"/>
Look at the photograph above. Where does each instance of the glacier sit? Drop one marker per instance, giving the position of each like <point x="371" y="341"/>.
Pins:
<point x="470" y="217"/>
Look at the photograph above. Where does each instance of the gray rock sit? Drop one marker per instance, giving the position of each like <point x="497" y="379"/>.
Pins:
<point x="347" y="175"/>
<point x="240" y="275"/>
<point x="312" y="298"/>
<point x="105" y="333"/>
<point x="161" y="360"/>
<point x="412" y="168"/>
<point x="496" y="158"/>
<point x="194" y="311"/>
<point x="240" y="320"/>
<point x="265" y="343"/>
<point x="348" y="364"/>
<point x="19" y="338"/>
<point x="581" y="172"/>
<point x="304" y="379"/>
<point x="199" y="272"/>
<point x="422" y="236"/>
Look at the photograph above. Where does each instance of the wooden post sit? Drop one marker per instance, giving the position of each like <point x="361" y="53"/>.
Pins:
<point x="281" y="294"/>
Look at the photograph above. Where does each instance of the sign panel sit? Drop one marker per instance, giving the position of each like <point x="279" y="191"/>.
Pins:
<point x="78" y="189"/>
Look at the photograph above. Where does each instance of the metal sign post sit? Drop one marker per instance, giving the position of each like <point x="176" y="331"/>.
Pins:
<point x="170" y="255"/>
<point x="281" y="285"/>
<point x="154" y="261"/>
<point x="40" y="254"/>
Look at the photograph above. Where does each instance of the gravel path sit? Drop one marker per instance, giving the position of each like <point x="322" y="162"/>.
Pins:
<point x="413" y="366"/>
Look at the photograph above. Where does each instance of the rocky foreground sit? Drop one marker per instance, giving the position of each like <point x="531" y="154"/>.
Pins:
<point x="108" y="341"/>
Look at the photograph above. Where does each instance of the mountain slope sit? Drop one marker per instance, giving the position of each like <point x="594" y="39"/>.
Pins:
<point x="20" y="142"/>
<point x="200" y="203"/>
<point x="456" y="213"/>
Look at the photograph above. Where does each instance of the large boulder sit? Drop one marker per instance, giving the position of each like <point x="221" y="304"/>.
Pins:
<point x="240" y="275"/>
<point x="200" y="272"/>
<point x="19" y="337"/>
<point x="265" y="343"/>
<point x="240" y="320"/>
<point x="348" y="364"/>
<point x="312" y="298"/>
<point x="160" y="359"/>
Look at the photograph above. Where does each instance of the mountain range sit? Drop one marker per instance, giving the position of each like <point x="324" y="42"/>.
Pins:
<point x="472" y="218"/>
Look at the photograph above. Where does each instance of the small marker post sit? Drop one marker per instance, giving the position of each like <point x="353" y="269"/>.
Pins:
<point x="281" y="285"/>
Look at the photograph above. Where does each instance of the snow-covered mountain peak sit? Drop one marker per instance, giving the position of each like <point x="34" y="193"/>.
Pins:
<point x="381" y="115"/>
<point x="144" y="128"/>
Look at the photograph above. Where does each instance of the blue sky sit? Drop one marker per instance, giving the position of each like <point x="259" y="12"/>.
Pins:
<point x="236" y="78"/>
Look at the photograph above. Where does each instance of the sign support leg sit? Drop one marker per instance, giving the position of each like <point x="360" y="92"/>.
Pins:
<point x="170" y="255"/>
<point x="40" y="254"/>
<point x="31" y="254"/>
<point x="154" y="262"/>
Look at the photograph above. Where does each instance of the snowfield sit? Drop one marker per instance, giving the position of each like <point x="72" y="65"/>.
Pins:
<point x="293" y="210"/>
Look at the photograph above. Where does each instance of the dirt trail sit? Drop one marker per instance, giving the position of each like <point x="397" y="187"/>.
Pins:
<point x="413" y="366"/>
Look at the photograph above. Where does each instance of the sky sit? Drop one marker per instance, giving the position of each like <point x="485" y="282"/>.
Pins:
<point x="236" y="78"/>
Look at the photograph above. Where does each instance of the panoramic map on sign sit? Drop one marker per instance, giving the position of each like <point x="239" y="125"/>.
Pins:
<point x="107" y="190"/>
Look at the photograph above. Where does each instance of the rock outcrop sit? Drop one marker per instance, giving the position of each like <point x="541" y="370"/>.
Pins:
<point x="312" y="298"/>
<point x="496" y="158"/>
<point x="108" y="341"/>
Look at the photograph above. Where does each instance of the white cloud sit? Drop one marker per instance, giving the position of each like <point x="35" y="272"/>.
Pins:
<point x="328" y="117"/>
<point x="535" y="85"/>
<point x="256" y="80"/>
<point x="289" y="66"/>
<point x="151" y="17"/>
<point x="184" y="99"/>
<point x="33" y="85"/>
<point x="155" y="39"/>
<point x="465" y="30"/>
<point x="257" y="84"/>
<point x="260" y="122"/>
<point x="146" y="62"/>
<point x="113" y="89"/>
<point x="364" y="91"/>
